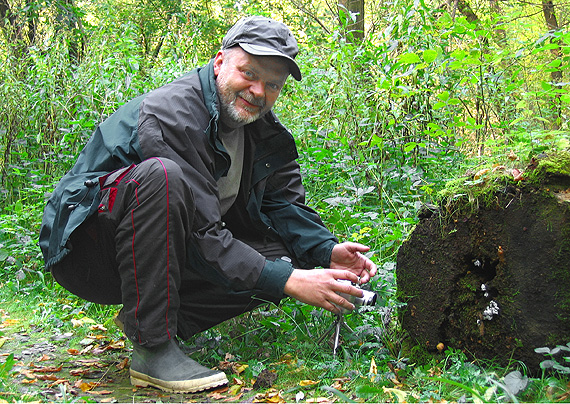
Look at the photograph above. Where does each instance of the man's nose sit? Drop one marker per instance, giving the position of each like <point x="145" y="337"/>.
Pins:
<point x="257" y="88"/>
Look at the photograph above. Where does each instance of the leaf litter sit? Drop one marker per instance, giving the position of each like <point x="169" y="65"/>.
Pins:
<point x="95" y="367"/>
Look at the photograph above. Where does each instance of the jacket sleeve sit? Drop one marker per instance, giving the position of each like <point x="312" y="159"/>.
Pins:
<point x="298" y="225"/>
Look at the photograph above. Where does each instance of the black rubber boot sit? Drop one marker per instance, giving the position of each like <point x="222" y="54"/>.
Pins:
<point x="166" y="367"/>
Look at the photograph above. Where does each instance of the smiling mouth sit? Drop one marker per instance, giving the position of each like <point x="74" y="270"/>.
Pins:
<point x="250" y="103"/>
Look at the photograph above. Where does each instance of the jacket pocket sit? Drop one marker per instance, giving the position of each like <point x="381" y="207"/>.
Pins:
<point x="109" y="184"/>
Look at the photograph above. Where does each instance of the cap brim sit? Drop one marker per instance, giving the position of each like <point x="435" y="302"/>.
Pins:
<point x="259" y="50"/>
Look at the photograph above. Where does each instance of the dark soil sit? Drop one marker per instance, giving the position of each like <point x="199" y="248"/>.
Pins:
<point x="492" y="280"/>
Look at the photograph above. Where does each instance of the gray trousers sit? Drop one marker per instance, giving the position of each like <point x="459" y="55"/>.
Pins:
<point x="130" y="253"/>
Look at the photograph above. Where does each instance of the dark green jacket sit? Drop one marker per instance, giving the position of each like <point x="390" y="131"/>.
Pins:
<point x="179" y="121"/>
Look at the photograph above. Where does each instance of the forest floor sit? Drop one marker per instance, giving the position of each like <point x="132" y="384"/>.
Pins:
<point x="51" y="367"/>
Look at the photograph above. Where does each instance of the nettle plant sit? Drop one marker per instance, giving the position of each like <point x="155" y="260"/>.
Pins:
<point x="554" y="362"/>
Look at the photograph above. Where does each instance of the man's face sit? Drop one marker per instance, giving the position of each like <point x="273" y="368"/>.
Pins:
<point x="248" y="85"/>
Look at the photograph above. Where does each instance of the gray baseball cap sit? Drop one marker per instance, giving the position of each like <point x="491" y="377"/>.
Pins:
<point x="262" y="36"/>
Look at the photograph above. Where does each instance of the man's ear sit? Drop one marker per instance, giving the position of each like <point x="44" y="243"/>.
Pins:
<point x="218" y="60"/>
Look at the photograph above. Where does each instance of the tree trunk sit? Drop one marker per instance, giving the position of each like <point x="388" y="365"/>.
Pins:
<point x="467" y="11"/>
<point x="17" y="33"/>
<point x="71" y="22"/>
<point x="555" y="75"/>
<point x="351" y="15"/>
<point x="500" y="33"/>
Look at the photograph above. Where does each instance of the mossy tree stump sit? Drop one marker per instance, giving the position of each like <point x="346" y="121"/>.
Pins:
<point x="488" y="270"/>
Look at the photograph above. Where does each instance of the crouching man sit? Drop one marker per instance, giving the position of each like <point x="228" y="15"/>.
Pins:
<point x="186" y="206"/>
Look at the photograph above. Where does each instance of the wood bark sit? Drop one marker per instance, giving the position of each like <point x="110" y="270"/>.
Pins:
<point x="353" y="8"/>
<point x="555" y="75"/>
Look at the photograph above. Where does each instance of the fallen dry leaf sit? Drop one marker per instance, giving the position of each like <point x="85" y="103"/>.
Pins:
<point x="308" y="382"/>
<point x="120" y="344"/>
<point x="400" y="395"/>
<point x="236" y="398"/>
<point x="481" y="173"/>
<point x="219" y="391"/>
<point x="90" y="362"/>
<point x="80" y="372"/>
<point x="48" y="377"/>
<point x="373" y="369"/>
<point x="517" y="175"/>
<point x="235" y="367"/>
<point x="45" y="369"/>
<point x="270" y="396"/>
<point x="27" y="373"/>
<point x="86" y="386"/>
<point x="338" y="385"/>
<point x="217" y="396"/>
<point x="100" y="392"/>
<point x="123" y="364"/>
<point x="59" y="381"/>
<point x="9" y="322"/>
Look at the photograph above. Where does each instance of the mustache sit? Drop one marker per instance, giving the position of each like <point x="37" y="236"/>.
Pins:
<point x="257" y="101"/>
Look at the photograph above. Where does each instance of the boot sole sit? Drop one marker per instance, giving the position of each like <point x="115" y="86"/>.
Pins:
<point x="179" y="386"/>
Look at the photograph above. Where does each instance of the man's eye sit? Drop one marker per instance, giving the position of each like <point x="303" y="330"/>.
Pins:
<point x="248" y="73"/>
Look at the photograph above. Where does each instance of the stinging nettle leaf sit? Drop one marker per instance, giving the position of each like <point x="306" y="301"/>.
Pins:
<point x="547" y="364"/>
<point x="429" y="55"/>
<point x="409" y="58"/>
<point x="542" y="350"/>
<point x="444" y="96"/>
<point x="516" y="382"/>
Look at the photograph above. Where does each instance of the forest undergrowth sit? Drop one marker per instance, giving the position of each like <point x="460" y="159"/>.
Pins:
<point x="381" y="126"/>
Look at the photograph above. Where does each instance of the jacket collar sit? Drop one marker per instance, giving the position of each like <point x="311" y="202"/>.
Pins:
<point x="272" y="140"/>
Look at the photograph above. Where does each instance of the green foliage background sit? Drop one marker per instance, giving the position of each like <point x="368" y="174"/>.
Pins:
<point x="381" y="123"/>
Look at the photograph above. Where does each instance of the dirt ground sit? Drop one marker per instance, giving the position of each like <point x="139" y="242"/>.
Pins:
<point x="57" y="368"/>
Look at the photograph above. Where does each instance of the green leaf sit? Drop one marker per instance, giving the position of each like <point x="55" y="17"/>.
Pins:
<point x="476" y="395"/>
<point x="429" y="55"/>
<point x="555" y="63"/>
<point x="365" y="391"/>
<point x="410" y="146"/>
<point x="409" y="58"/>
<point x="444" y="96"/>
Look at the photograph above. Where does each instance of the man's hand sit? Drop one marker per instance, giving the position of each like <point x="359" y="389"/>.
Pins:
<point x="349" y="256"/>
<point x="319" y="287"/>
